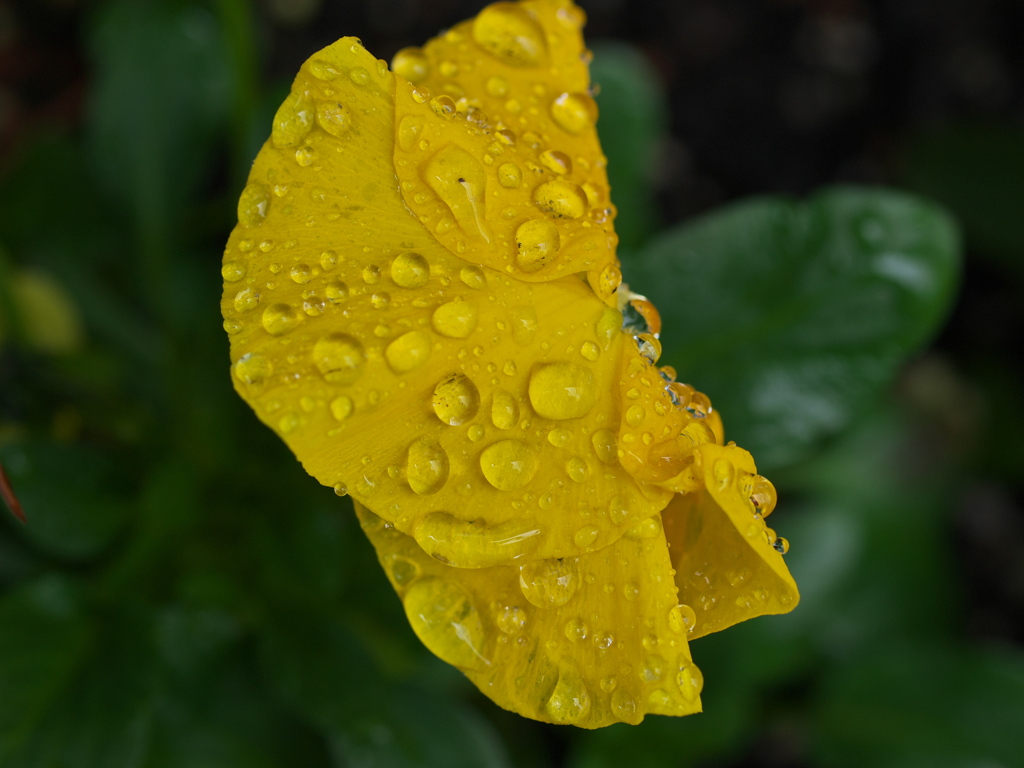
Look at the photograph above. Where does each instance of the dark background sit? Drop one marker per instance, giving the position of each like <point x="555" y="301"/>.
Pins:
<point x="762" y="97"/>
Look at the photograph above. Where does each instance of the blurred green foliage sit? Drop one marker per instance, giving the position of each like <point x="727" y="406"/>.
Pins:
<point x="184" y="595"/>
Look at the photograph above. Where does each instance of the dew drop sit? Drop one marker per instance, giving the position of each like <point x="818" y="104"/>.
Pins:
<point x="504" y="410"/>
<point x="590" y="351"/>
<point x="427" y="466"/>
<point x="509" y="175"/>
<point x="253" y="369"/>
<point x="305" y="156"/>
<point x="336" y="291"/>
<point x="412" y="64"/>
<point x="511" y="619"/>
<point x="506" y="32"/>
<point x="624" y="706"/>
<point x="524" y="324"/>
<point x="763" y="496"/>
<point x="549" y="583"/>
<point x="253" y="205"/>
<point x="473" y="277"/>
<point x="340" y="489"/>
<point x="339" y="357"/>
<point x="682" y="619"/>
<point x="558" y="436"/>
<point x="605" y="446"/>
<point x="232" y="271"/>
<point x="456" y="399"/>
<point x="690" y="681"/>
<point x="575" y="629"/>
<point x="279" y="319"/>
<point x="292" y="121"/>
<point x="586" y="536"/>
<point x="410" y="270"/>
<point x="334" y="118"/>
<point x="342" y="407"/>
<point x="404" y="571"/>
<point x="301" y="273"/>
<point x="408" y="352"/>
<point x="359" y="76"/>
<point x="455" y="319"/>
<point x="574" y="112"/>
<point x="508" y="464"/>
<point x="537" y="242"/>
<point x="497" y="87"/>
<point x="635" y="415"/>
<point x="576" y="468"/>
<point x="561" y="199"/>
<point x="328" y="260"/>
<point x="562" y="390"/>
<point x="445" y="620"/>
<point x="556" y="162"/>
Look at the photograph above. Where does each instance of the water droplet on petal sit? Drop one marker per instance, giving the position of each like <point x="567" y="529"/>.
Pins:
<point x="334" y="117"/>
<point x="473" y="277"/>
<point x="586" y="536"/>
<point x="549" y="583"/>
<point x="253" y="369"/>
<point x="442" y="615"/>
<point x="574" y="112"/>
<point x="506" y="32"/>
<point x="339" y="357"/>
<point x="682" y="619"/>
<point x="561" y="199"/>
<point x="605" y="446"/>
<point x="293" y="120"/>
<point x="279" y="319"/>
<point x="410" y="270"/>
<point x="456" y="399"/>
<point x="427" y="466"/>
<point x="509" y="175"/>
<point x="537" y="242"/>
<point x="341" y="407"/>
<point x="455" y="319"/>
<point x="412" y="64"/>
<point x="301" y="274"/>
<point x="336" y="291"/>
<point x="504" y="410"/>
<point x="690" y="681"/>
<point x="253" y="204"/>
<point x="562" y="390"/>
<point x="511" y="620"/>
<point x="576" y="468"/>
<point x="508" y="464"/>
<point x="408" y="352"/>
<point x="555" y="161"/>
<point x="575" y="629"/>
<point x="232" y="271"/>
<point x="404" y="571"/>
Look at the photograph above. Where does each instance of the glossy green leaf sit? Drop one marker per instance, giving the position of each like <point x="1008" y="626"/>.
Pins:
<point x="323" y="671"/>
<point x="793" y="316"/>
<point x="633" y="126"/>
<point x="76" y="693"/>
<point x="922" y="707"/>
<point x="67" y="492"/>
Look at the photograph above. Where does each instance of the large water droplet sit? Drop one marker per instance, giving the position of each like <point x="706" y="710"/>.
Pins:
<point x="575" y="629"/>
<point x="576" y="468"/>
<point x="508" y="464"/>
<point x="339" y="357"/>
<point x="232" y="271"/>
<point x="473" y="277"/>
<point x="682" y="619"/>
<point x="605" y="446"/>
<point x="410" y="270"/>
<point x="562" y="390"/>
<point x="253" y="369"/>
<point x="569" y="702"/>
<point x="279" y="319"/>
<point x="412" y="64"/>
<point x="342" y="407"/>
<point x="690" y="681"/>
<point x="574" y="112"/>
<point x="334" y="117"/>
<point x="556" y="162"/>
<point x="509" y="175"/>
<point x="293" y="120"/>
<point x="253" y="205"/>
<point x="408" y="352"/>
<point x="506" y="32"/>
<point x="504" y="409"/>
<point x="561" y="199"/>
<point x="474" y="543"/>
<point x="456" y="399"/>
<point x="445" y="620"/>
<point x="455" y="319"/>
<point x="549" y="583"/>
<point x="427" y="466"/>
<point x="460" y="181"/>
<point x="537" y="243"/>
<point x="246" y="300"/>
<point x="586" y="536"/>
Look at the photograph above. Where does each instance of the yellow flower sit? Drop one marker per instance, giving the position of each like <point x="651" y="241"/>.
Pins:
<point x="424" y="301"/>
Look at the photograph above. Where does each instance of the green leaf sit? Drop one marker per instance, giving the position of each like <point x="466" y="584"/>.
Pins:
<point x="66" y="493"/>
<point x="324" y="673"/>
<point x="74" y="693"/>
<point x="633" y="125"/>
<point x="978" y="171"/>
<point x="922" y="707"/>
<point x="793" y="316"/>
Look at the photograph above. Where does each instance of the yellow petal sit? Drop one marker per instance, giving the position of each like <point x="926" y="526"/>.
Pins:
<point x="496" y="146"/>
<point x="461" y="404"/>
<point x="726" y="561"/>
<point x="588" y="641"/>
